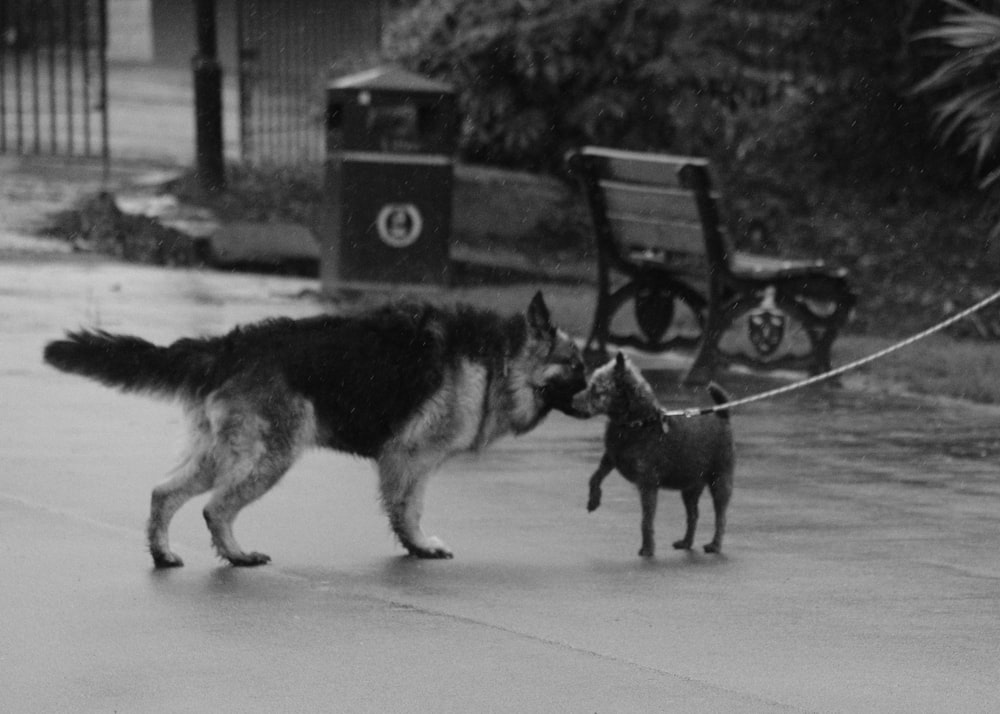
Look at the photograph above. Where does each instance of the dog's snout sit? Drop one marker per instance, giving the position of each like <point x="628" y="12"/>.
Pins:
<point x="581" y="403"/>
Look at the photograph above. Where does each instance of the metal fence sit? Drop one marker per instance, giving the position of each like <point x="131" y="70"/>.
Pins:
<point x="288" y="50"/>
<point x="53" y="78"/>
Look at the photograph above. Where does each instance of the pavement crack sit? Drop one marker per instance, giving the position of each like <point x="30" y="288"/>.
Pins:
<point x="576" y="649"/>
<point x="67" y="513"/>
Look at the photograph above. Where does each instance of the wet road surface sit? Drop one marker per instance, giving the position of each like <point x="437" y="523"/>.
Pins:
<point x="860" y="570"/>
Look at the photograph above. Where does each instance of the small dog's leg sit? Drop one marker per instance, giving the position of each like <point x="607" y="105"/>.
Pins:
<point x="647" y="497"/>
<point x="603" y="469"/>
<point x="690" y="498"/>
<point x="721" y="489"/>
<point x="403" y="479"/>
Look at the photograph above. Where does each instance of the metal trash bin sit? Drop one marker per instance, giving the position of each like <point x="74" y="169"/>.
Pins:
<point x="389" y="175"/>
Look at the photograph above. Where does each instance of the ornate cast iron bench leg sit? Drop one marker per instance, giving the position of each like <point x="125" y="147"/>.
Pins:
<point x="832" y="325"/>
<point x="596" y="347"/>
<point x="723" y="312"/>
<point x="707" y="358"/>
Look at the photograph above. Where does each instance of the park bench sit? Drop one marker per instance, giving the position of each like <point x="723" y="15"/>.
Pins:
<point x="662" y="247"/>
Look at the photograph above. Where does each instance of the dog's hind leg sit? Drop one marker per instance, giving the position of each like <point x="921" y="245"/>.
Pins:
<point x="249" y="482"/>
<point x="247" y="478"/>
<point x="195" y="476"/>
<point x="647" y="497"/>
<point x="721" y="489"/>
<point x="403" y="480"/>
<point x="690" y="498"/>
<point x="254" y="451"/>
<point x="167" y="498"/>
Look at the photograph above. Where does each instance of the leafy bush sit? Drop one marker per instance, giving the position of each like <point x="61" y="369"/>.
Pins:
<point x="536" y="77"/>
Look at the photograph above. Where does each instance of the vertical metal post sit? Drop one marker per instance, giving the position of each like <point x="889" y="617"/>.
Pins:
<point x="242" y="79"/>
<point x="85" y="61"/>
<point x="4" y="22"/>
<point x="18" y="88"/>
<point x="36" y="124"/>
<point x="105" y="132"/>
<point x="210" y="165"/>
<point x="53" y="112"/>
<point x="68" y="17"/>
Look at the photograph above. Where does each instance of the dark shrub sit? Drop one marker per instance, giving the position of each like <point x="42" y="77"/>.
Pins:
<point x="536" y="77"/>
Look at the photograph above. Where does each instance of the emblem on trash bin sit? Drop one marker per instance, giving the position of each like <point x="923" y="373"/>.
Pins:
<point x="399" y="224"/>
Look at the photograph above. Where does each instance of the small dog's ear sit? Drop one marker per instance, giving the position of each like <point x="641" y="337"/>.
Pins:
<point x="620" y="362"/>
<point x="539" y="320"/>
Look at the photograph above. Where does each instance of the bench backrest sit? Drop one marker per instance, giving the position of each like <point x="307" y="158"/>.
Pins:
<point x="659" y="202"/>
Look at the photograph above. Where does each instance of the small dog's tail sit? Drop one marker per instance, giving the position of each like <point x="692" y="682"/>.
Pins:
<point x="719" y="396"/>
<point x="184" y="369"/>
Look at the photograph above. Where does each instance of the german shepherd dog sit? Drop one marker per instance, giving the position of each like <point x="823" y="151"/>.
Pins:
<point x="407" y="385"/>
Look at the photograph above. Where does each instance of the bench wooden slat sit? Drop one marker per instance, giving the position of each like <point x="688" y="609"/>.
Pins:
<point x="636" y="167"/>
<point x="651" y="203"/>
<point x="672" y="236"/>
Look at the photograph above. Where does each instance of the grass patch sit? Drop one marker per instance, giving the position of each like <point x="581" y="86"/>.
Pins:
<point x="293" y="194"/>
<point x="938" y="365"/>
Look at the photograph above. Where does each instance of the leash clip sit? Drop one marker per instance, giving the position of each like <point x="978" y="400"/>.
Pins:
<point x="664" y="421"/>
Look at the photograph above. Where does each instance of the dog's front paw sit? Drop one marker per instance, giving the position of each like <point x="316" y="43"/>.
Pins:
<point x="682" y="545"/>
<point x="431" y="548"/>
<point x="647" y="551"/>
<point x="713" y="547"/>
<point x="594" y="502"/>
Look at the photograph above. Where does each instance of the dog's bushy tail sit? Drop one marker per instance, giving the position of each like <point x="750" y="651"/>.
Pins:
<point x="184" y="369"/>
<point x="719" y="396"/>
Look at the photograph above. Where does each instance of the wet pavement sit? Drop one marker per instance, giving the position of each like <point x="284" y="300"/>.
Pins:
<point x="860" y="571"/>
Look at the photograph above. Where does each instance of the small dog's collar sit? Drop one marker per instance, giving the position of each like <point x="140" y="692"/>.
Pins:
<point x="660" y="418"/>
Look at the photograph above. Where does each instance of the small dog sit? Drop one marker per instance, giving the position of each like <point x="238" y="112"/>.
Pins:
<point x="407" y="385"/>
<point x="654" y="452"/>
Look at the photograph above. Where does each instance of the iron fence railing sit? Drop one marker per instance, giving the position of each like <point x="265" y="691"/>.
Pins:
<point x="53" y="78"/>
<point x="288" y="50"/>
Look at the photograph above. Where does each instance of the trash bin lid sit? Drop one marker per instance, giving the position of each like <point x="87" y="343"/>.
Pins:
<point x="390" y="79"/>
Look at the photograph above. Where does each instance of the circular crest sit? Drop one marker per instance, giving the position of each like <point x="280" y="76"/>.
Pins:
<point x="399" y="224"/>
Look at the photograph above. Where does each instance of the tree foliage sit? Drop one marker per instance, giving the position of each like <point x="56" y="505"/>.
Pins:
<point x="536" y="77"/>
<point x="823" y="80"/>
<point x="829" y="80"/>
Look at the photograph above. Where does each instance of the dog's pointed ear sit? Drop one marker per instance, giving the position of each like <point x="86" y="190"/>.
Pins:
<point x="539" y="320"/>
<point x="620" y="362"/>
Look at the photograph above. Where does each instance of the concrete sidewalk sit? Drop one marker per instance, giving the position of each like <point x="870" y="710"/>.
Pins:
<point x="860" y="572"/>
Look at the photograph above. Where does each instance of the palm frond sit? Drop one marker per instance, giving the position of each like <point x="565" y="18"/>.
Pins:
<point x="991" y="178"/>
<point x="968" y="84"/>
<point x="952" y="114"/>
